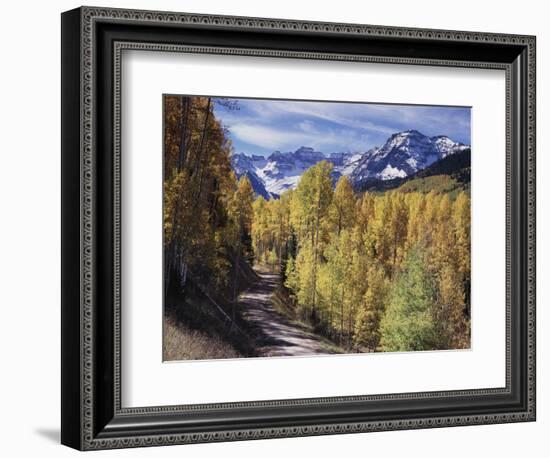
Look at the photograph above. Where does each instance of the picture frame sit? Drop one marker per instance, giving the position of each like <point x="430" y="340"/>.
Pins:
<point x="93" y="416"/>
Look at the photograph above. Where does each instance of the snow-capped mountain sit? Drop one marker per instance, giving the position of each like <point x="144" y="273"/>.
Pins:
<point x="278" y="172"/>
<point x="403" y="154"/>
<point x="247" y="165"/>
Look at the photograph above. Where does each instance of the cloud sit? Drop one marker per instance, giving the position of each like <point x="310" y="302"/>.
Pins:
<point x="268" y="137"/>
<point x="307" y="125"/>
<point x="267" y="125"/>
<point x="345" y="114"/>
<point x="304" y="134"/>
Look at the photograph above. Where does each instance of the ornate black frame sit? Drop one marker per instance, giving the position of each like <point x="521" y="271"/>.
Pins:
<point x="92" y="42"/>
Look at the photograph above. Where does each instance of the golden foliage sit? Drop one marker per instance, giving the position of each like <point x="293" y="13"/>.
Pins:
<point x="349" y="262"/>
<point x="343" y="255"/>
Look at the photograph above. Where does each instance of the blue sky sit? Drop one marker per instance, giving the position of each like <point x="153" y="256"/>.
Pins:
<point x="261" y="126"/>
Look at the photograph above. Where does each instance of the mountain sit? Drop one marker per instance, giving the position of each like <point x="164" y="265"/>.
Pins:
<point x="246" y="165"/>
<point x="278" y="172"/>
<point x="402" y="155"/>
<point x="449" y="173"/>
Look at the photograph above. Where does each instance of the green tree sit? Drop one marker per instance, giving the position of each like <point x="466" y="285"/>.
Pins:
<point x="408" y="323"/>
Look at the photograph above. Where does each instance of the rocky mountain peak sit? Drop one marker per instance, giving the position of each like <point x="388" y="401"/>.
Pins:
<point x="404" y="153"/>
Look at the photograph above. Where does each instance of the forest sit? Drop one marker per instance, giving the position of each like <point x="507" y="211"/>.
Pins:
<point x="354" y="271"/>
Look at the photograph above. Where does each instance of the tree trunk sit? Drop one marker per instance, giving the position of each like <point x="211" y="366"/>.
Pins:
<point x="183" y="132"/>
<point x="349" y="326"/>
<point x="317" y="223"/>
<point x="236" y="276"/>
<point x="342" y="317"/>
<point x="235" y="283"/>
<point x="201" y="154"/>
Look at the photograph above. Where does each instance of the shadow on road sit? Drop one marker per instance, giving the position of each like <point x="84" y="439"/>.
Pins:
<point x="276" y="335"/>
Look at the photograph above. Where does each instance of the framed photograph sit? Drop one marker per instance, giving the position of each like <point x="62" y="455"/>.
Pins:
<point x="276" y="228"/>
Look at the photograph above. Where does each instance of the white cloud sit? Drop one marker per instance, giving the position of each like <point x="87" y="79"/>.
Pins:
<point x="307" y="125"/>
<point x="268" y="137"/>
<point x="335" y="126"/>
<point x="345" y="114"/>
<point x="273" y="138"/>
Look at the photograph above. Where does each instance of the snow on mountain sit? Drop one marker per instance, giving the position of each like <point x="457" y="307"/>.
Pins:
<point x="281" y="171"/>
<point x="344" y="163"/>
<point x="390" y="173"/>
<point x="247" y="165"/>
<point x="447" y="146"/>
<point x="403" y="154"/>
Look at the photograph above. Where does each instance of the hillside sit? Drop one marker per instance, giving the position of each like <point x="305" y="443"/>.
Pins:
<point x="449" y="174"/>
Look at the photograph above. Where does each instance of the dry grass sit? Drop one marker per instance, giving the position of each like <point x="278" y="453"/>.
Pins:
<point x="182" y="343"/>
<point x="282" y="303"/>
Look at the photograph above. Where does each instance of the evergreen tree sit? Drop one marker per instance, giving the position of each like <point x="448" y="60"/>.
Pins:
<point x="409" y="323"/>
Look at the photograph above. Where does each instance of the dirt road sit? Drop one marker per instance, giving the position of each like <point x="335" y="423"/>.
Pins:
<point x="277" y="335"/>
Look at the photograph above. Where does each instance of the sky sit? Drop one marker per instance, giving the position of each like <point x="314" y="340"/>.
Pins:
<point x="261" y="126"/>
